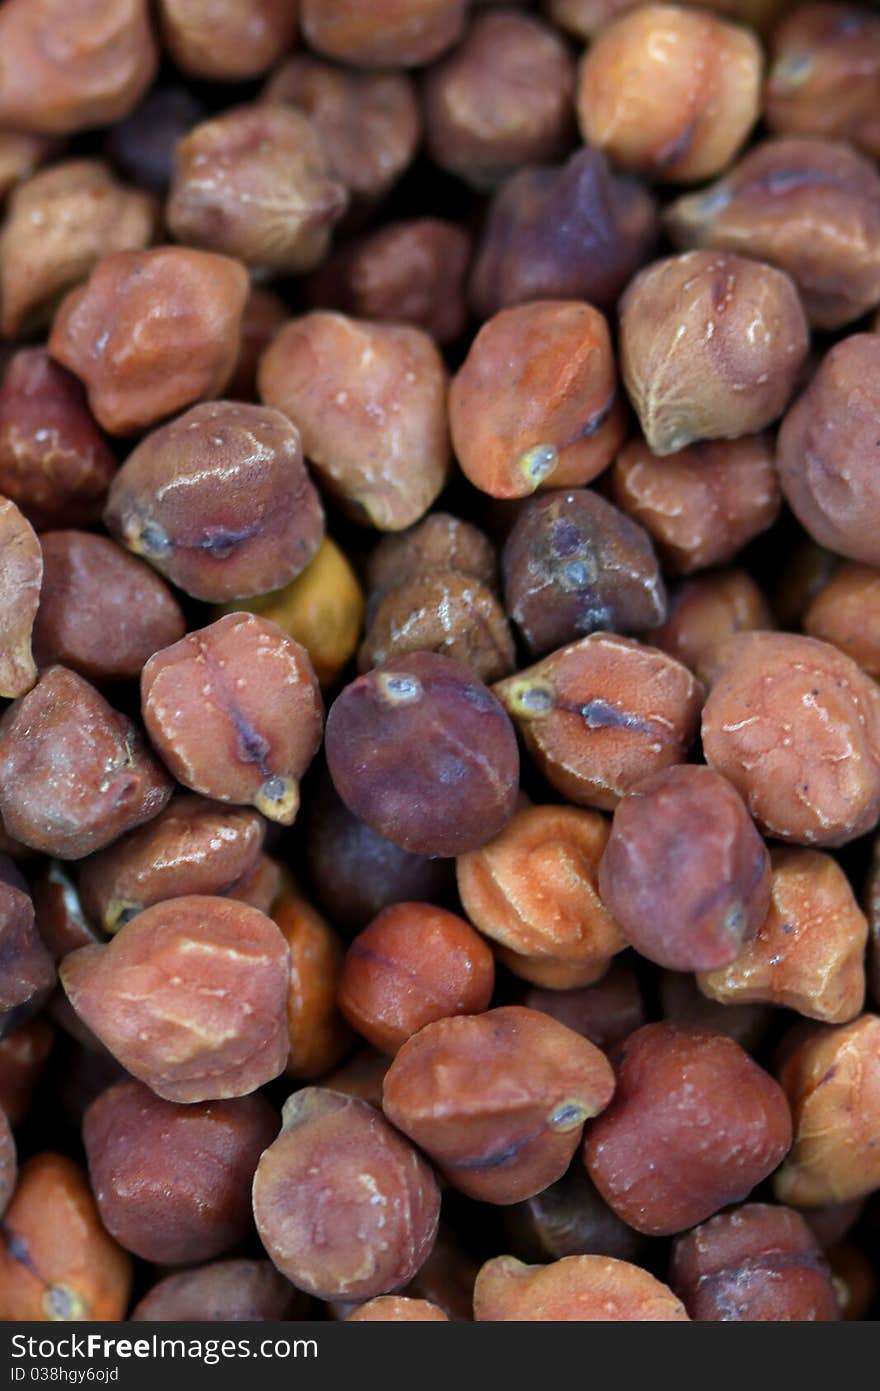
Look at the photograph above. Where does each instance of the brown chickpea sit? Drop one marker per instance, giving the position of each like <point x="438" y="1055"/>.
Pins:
<point x="389" y="1308"/>
<point x="808" y="569"/>
<point x="569" y="1219"/>
<point x="824" y="75"/>
<point x="832" y="1081"/>
<point x="389" y="33"/>
<point x="605" y="1013"/>
<point x="412" y="965"/>
<point x="370" y="402"/>
<point x="152" y="331"/>
<point x="58" y="911"/>
<point x="670" y="93"/>
<point x="808" y="954"/>
<point x="21" y="154"/>
<point x="361" y="1076"/>
<point x="602" y="713"/>
<point x="220" y="1292"/>
<point x="705" y="613"/>
<point x="497" y="1100"/>
<point x="439" y="543"/>
<point x="846" y="613"/>
<point x="21" y="578"/>
<point x="503" y="98"/>
<point x="255" y="183"/>
<point x="826" y="450"/>
<point x="227" y="40"/>
<point x="577" y="1289"/>
<point x="703" y="504"/>
<point x="60" y="224"/>
<point x="533" y="890"/>
<point x="319" y="1037"/>
<point x="795" y="726"/>
<point x="711" y="347"/>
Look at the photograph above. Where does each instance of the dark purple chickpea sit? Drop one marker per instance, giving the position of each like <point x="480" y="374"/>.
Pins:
<point x="27" y="973"/>
<point x="240" y="1291"/>
<point x="235" y="711"/>
<point x="74" y="773"/>
<point x="685" y="873"/>
<point x="142" y="145"/>
<point x="425" y="754"/>
<point x="694" y="1125"/>
<point x="757" y="1263"/>
<point x="219" y="501"/>
<point x="576" y="231"/>
<point x="92" y="587"/>
<point x="135" y="1142"/>
<point x="315" y="1199"/>
<point x="573" y="564"/>
<point x="501" y="99"/>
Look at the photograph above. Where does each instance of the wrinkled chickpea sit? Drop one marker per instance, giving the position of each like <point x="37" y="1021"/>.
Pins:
<point x="440" y="543"/>
<point x="705" y="613"/>
<point x="577" y="1289"/>
<point x="449" y="613"/>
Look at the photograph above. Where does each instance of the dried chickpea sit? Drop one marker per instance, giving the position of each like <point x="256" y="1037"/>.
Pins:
<point x="669" y="92"/>
<point x="318" y="1035"/>
<point x="702" y="505"/>
<point x="533" y="890"/>
<point x="235" y="712"/>
<point x="605" y="1013"/>
<point x="711" y="347"/>
<point x="705" y="613"/>
<point x="151" y="332"/>
<point x="142" y="145"/>
<point x="808" y="954"/>
<point x="388" y="33"/>
<point x="329" y="1145"/>
<point x="846" y="613"/>
<point x="682" y="1002"/>
<point x="577" y="1289"/>
<point x="255" y="183"/>
<point x="569" y="1219"/>
<point x="21" y="578"/>
<point x="23" y="1056"/>
<point x="21" y="154"/>
<point x="264" y="314"/>
<point x="694" y="1125"/>
<point x="58" y="911"/>
<point x="227" y="40"/>
<point x="369" y="400"/>
<point x="497" y="1100"/>
<point x="412" y="965"/>
<point x="602" y="713"/>
<point x="361" y="1076"/>
<point x="832" y="1081"/>
<point x="220" y="1292"/>
<point x="440" y="543"/>
<point x="389" y="1308"/>
<point x="535" y="402"/>
<point x="794" y="724"/>
<point x="28" y="972"/>
<point x="56" y="1260"/>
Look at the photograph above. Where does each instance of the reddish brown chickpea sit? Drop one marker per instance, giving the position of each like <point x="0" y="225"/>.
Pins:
<point x="369" y="123"/>
<point x="189" y="997"/>
<point x="219" y="501"/>
<point x="412" y="965"/>
<point x="56" y="1260"/>
<point x="533" y="890"/>
<point x="60" y="224"/>
<point x="685" y="873"/>
<point x="824" y="75"/>
<point x="605" y="1013"/>
<point x="264" y="314"/>
<point x="92" y="587"/>
<point x="73" y="64"/>
<point x="670" y="93"/>
<point x="227" y="40"/>
<point x="502" y="99"/>
<point x="235" y="711"/>
<point x="23" y="1056"/>
<point x="756" y="1263"/>
<point x="222" y="1292"/>
<point x="705" y="613"/>
<point x="390" y="33"/>
<point x="370" y="402"/>
<point x="58" y="911"/>
<point x="535" y="402"/>
<point x="439" y="543"/>
<point x="795" y="726"/>
<point x="569" y="1219"/>
<point x="846" y="613"/>
<point x="832" y="1081"/>
<point x="830" y="1224"/>
<point x="80" y="776"/>
<point x="260" y="886"/>
<point x="810" y="207"/>
<point x="711" y="347"/>
<point x="410" y="272"/>
<point x="827" y="443"/>
<point x="389" y="1308"/>
<point x="255" y="183"/>
<point x="703" y="504"/>
<point x="54" y="461"/>
<point x="497" y="1100"/>
<point x="134" y="1141"/>
<point x="577" y="1289"/>
<point x="21" y="576"/>
<point x="28" y="973"/>
<point x="8" y="1162"/>
<point x="809" y="953"/>
<point x="378" y="1237"/>
<point x="425" y="754"/>
<point x="682" y="1002"/>
<point x="318" y="1035"/>
<point x="601" y="714"/>
<point x="152" y="331"/>
<point x="694" y="1125"/>
<point x="808" y="569"/>
<point x="192" y="847"/>
<point x="576" y="231"/>
<point x="572" y="564"/>
<point x="361" y="1076"/>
